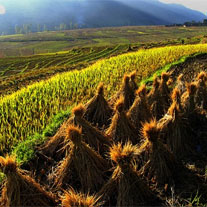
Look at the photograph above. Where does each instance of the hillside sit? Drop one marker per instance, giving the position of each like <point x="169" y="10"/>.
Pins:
<point x="102" y="104"/>
<point x="153" y="137"/>
<point x="35" y="105"/>
<point x="91" y="13"/>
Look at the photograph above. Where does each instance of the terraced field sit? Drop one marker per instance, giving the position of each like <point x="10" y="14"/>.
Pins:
<point x="26" y="59"/>
<point x="54" y="41"/>
<point x="155" y="138"/>
<point x="17" y="72"/>
<point x="44" y="75"/>
<point x="36" y="105"/>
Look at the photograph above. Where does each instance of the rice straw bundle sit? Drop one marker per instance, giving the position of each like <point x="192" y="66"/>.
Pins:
<point x="176" y="97"/>
<point x="188" y="99"/>
<point x="121" y="128"/>
<point x="140" y="110"/>
<point x="125" y="187"/>
<point x="20" y="189"/>
<point x="97" y="110"/>
<point x="82" y="166"/>
<point x="154" y="98"/>
<point x="161" y="163"/>
<point x="202" y="76"/>
<point x="170" y="82"/>
<point x="132" y="82"/>
<point x="164" y="92"/>
<point x="74" y="199"/>
<point x="154" y="93"/>
<point x="180" y="83"/>
<point x="92" y="136"/>
<point x="201" y="93"/>
<point x="127" y="92"/>
<point x="176" y="132"/>
<point x="54" y="147"/>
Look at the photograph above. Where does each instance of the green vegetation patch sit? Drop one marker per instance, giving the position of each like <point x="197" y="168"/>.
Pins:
<point x="25" y="150"/>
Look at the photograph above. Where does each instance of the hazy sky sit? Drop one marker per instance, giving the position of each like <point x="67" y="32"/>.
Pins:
<point x="200" y="5"/>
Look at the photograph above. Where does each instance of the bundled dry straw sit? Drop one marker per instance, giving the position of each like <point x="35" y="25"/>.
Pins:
<point x="140" y="110"/>
<point x="180" y="83"/>
<point x="188" y="99"/>
<point x="54" y="147"/>
<point x="97" y="110"/>
<point x="170" y="82"/>
<point x="176" y="97"/>
<point x="74" y="199"/>
<point x="154" y="98"/>
<point x="161" y="163"/>
<point x="82" y="166"/>
<point x="121" y="128"/>
<point x="125" y="187"/>
<point x="176" y="132"/>
<point x="195" y="115"/>
<point x="133" y="84"/>
<point x="164" y="92"/>
<point x="201" y="93"/>
<point x="154" y="93"/>
<point x="127" y="91"/>
<point x="92" y="136"/>
<point x="20" y="189"/>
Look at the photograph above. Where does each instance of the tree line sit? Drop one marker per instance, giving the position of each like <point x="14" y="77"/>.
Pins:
<point x="190" y="24"/>
<point x="28" y="28"/>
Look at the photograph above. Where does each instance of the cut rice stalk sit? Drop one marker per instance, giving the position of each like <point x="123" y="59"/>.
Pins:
<point x="82" y="166"/>
<point x="97" y="110"/>
<point x="121" y="128"/>
<point x="20" y="189"/>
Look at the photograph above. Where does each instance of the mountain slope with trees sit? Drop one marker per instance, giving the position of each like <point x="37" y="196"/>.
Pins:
<point x="37" y="16"/>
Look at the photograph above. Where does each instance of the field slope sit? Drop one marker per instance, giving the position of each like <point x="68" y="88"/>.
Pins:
<point x="18" y="72"/>
<point x="29" y="110"/>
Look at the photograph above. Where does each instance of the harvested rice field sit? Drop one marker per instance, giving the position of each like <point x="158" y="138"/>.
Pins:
<point x="143" y="146"/>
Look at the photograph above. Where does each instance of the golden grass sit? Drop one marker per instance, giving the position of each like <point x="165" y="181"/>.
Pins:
<point x="79" y="110"/>
<point x="98" y="111"/>
<point x="119" y="152"/>
<point x="151" y="130"/>
<point x="74" y="199"/>
<point x="121" y="127"/>
<point x="74" y="134"/>
<point x="19" y="189"/>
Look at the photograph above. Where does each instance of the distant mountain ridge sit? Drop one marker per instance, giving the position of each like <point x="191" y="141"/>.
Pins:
<point x="93" y="13"/>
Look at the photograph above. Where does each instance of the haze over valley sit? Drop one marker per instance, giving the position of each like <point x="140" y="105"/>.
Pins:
<point x="37" y="15"/>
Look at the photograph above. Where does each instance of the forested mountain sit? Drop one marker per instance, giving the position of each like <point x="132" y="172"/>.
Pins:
<point x="37" y="15"/>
